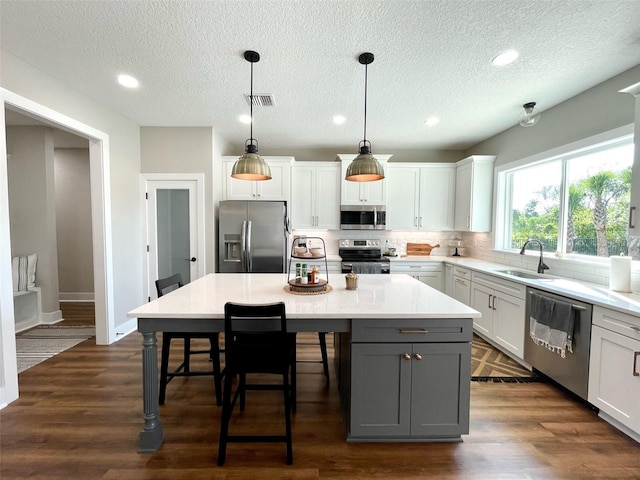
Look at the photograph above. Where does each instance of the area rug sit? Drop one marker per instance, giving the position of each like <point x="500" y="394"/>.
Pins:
<point x="488" y="364"/>
<point x="45" y="341"/>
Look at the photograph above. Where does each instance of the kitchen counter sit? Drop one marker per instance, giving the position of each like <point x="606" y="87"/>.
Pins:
<point x="377" y="296"/>
<point x="377" y="327"/>
<point x="588" y="292"/>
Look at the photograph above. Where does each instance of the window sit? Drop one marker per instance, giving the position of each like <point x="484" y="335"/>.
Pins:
<point x="575" y="203"/>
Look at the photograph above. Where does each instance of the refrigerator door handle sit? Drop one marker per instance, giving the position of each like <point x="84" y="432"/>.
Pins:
<point x="249" y="268"/>
<point x="243" y="246"/>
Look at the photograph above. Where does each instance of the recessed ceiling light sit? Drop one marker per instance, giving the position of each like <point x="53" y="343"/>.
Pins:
<point x="245" y="119"/>
<point x="339" y="119"/>
<point x="128" y="81"/>
<point x="505" y="58"/>
<point x="431" y="121"/>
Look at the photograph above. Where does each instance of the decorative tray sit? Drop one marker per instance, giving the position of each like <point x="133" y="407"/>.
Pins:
<point x="308" y="287"/>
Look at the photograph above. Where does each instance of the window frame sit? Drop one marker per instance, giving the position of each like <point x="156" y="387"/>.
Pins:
<point x="504" y="188"/>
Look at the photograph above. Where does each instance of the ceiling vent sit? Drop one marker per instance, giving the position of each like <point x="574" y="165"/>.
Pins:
<point x="261" y="100"/>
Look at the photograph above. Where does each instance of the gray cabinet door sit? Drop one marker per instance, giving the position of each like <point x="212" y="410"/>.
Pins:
<point x="381" y="389"/>
<point x="440" y="379"/>
<point x="410" y="390"/>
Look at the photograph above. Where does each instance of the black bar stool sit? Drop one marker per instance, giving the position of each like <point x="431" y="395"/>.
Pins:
<point x="166" y="285"/>
<point x="248" y="350"/>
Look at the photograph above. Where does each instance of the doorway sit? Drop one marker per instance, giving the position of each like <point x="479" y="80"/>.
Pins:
<point x="174" y="227"/>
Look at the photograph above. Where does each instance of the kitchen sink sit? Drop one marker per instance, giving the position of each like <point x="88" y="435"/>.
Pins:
<point x="522" y="274"/>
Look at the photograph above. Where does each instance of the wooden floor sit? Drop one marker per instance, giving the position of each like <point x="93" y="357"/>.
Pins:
<point x="79" y="414"/>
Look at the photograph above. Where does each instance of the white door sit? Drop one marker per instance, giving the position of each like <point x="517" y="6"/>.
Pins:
<point x="175" y="226"/>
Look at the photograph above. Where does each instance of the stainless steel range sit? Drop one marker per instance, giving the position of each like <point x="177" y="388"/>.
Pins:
<point x="362" y="256"/>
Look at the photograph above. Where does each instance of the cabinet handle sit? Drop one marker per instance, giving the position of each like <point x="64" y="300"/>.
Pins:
<point x="417" y="356"/>
<point x="468" y="222"/>
<point x="489" y="305"/>
<point x="459" y="280"/>
<point x="635" y="363"/>
<point x="415" y="222"/>
<point x="637" y="329"/>
<point x="631" y="210"/>
<point x="493" y="303"/>
<point x="406" y="356"/>
<point x="420" y="222"/>
<point x="414" y="330"/>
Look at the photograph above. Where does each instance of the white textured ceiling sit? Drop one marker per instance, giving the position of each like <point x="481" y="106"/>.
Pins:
<point x="432" y="57"/>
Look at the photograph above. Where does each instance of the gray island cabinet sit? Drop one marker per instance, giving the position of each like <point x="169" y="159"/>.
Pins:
<point x="405" y="379"/>
<point x="402" y="353"/>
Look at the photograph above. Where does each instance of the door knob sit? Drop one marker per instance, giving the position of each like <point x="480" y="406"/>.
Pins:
<point x="407" y="356"/>
<point x="193" y="259"/>
<point x="418" y="356"/>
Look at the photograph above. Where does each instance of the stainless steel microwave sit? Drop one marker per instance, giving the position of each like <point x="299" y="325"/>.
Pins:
<point x="363" y="217"/>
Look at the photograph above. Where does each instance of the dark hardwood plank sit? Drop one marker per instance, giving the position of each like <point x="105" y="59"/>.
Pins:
<point x="79" y="414"/>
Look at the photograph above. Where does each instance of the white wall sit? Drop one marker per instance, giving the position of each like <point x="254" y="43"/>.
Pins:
<point x="123" y="231"/>
<point x="73" y="223"/>
<point x="32" y="207"/>
<point x="183" y="150"/>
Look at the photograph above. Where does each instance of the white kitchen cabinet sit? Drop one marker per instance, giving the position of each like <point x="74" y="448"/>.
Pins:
<point x="359" y="193"/>
<point x="502" y="305"/>
<point x="461" y="285"/>
<point x="429" y="273"/>
<point x="614" y="366"/>
<point x="278" y="188"/>
<point x="448" y="279"/>
<point x="420" y="197"/>
<point x="474" y="193"/>
<point x="315" y="195"/>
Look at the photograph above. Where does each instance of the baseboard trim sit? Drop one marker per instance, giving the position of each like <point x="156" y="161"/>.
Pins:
<point x="76" y="296"/>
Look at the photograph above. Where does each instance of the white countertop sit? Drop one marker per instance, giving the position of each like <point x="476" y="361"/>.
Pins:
<point x="579" y="290"/>
<point x="377" y="296"/>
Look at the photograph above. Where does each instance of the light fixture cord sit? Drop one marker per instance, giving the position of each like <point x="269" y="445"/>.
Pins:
<point x="251" y="107"/>
<point x="366" y="68"/>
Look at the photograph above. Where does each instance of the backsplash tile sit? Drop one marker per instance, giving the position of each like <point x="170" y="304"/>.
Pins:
<point x="476" y="245"/>
<point x="479" y="245"/>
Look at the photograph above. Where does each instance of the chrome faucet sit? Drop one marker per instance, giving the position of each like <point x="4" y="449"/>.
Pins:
<point x="541" y="265"/>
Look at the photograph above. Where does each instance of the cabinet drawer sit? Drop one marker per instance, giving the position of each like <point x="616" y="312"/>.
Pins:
<point x="412" y="330"/>
<point x="622" y="323"/>
<point x="416" y="268"/>
<point x="516" y="289"/>
<point x="461" y="272"/>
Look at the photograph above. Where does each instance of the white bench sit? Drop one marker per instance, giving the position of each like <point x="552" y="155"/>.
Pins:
<point x="27" y="306"/>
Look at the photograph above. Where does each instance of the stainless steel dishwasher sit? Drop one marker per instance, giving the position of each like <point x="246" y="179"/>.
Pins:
<point x="572" y="372"/>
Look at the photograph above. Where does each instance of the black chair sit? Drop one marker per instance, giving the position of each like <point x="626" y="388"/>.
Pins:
<point x="322" y="341"/>
<point x="165" y="285"/>
<point x="269" y="350"/>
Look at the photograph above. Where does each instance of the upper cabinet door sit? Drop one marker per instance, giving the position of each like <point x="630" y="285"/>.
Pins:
<point x="315" y="195"/>
<point x="437" y="197"/>
<point x="278" y="188"/>
<point x="474" y="193"/>
<point x="403" y="189"/>
<point x="420" y="197"/>
<point x="359" y="193"/>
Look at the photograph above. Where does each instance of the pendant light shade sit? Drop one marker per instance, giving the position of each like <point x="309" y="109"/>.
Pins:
<point x="365" y="167"/>
<point x="527" y="117"/>
<point x="251" y="166"/>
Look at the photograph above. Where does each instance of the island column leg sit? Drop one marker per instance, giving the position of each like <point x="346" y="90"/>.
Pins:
<point x="151" y="435"/>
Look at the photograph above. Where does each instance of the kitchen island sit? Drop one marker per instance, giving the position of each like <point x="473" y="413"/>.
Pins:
<point x="402" y="351"/>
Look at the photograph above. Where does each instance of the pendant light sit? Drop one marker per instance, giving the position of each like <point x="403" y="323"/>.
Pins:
<point x="251" y="166"/>
<point x="365" y="167"/>
<point x="527" y="118"/>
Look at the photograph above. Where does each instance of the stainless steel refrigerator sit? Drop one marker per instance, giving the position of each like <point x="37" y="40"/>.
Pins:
<point x="252" y="237"/>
